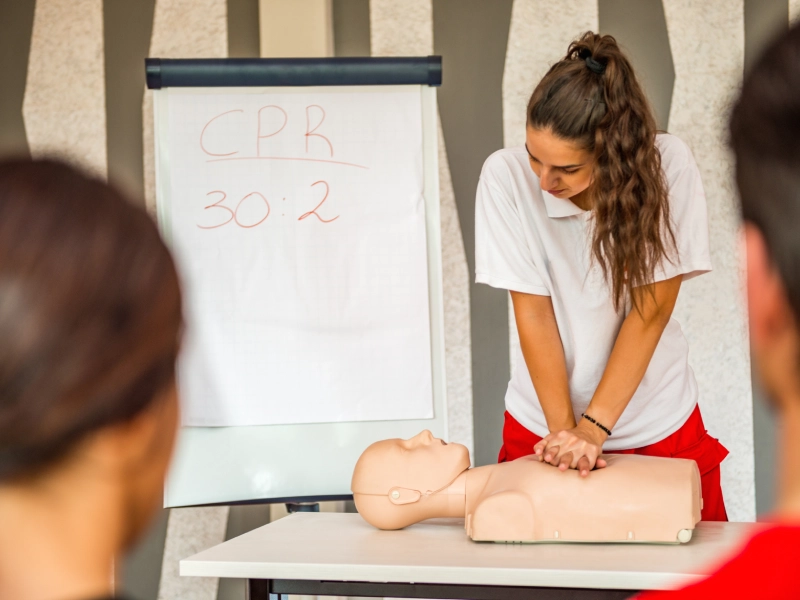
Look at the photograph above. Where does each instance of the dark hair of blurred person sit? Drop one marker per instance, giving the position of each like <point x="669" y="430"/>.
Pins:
<point x="765" y="137"/>
<point x="90" y="324"/>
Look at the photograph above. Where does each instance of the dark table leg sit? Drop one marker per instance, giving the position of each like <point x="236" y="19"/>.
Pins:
<point x="258" y="589"/>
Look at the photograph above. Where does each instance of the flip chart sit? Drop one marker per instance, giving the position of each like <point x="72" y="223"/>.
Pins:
<point x="297" y="219"/>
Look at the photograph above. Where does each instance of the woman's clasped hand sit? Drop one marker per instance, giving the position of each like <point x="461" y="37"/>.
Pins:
<point x="577" y="448"/>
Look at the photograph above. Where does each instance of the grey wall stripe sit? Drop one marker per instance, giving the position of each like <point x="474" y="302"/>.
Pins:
<point x="351" y="32"/>
<point x="351" y="37"/>
<point x="243" y="29"/>
<point x="126" y="37"/>
<point x="641" y="30"/>
<point x="138" y="575"/>
<point x="16" y="19"/>
<point x="763" y="19"/>
<point x="471" y="35"/>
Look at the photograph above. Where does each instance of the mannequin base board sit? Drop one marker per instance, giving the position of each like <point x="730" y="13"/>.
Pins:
<point x="684" y="537"/>
<point x="566" y="542"/>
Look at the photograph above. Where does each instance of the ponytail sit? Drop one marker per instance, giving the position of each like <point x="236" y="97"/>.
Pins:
<point x="592" y="97"/>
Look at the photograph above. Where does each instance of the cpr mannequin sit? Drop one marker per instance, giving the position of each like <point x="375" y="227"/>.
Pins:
<point x="634" y="499"/>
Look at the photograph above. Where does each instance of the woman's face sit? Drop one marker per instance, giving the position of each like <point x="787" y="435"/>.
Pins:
<point x="564" y="168"/>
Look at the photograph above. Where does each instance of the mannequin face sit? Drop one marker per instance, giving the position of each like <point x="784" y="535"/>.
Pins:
<point x="422" y="463"/>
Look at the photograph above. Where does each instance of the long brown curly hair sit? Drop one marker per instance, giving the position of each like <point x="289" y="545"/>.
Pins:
<point x="591" y="97"/>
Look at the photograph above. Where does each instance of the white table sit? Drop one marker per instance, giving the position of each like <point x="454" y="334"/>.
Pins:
<point x="340" y="554"/>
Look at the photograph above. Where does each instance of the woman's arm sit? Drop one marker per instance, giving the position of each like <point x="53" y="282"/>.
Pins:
<point x="579" y="447"/>
<point x="544" y="357"/>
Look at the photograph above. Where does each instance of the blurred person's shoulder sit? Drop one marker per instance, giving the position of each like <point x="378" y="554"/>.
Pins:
<point x="763" y="568"/>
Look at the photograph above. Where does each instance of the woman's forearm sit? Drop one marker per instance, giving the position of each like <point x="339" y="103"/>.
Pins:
<point x="544" y="357"/>
<point x="625" y="370"/>
<point x="634" y="348"/>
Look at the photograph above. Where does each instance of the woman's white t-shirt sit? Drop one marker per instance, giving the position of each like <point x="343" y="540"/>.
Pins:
<point x="529" y="241"/>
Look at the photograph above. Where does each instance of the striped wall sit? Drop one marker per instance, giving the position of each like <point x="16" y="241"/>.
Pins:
<point x="56" y="101"/>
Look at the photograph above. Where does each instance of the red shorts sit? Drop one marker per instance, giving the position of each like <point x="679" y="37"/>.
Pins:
<point x="690" y="441"/>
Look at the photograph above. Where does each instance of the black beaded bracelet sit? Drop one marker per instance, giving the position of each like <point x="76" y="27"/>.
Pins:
<point x="601" y="426"/>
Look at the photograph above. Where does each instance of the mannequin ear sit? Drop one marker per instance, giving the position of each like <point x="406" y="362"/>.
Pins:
<point x="398" y="495"/>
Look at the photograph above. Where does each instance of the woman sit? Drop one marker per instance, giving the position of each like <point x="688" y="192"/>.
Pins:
<point x="90" y="321"/>
<point x="592" y="227"/>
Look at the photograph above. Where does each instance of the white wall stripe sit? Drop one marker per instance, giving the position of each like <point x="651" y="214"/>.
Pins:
<point x="65" y="101"/>
<point x="405" y="28"/>
<point x="710" y="308"/>
<point x="189" y="531"/>
<point x="401" y="27"/>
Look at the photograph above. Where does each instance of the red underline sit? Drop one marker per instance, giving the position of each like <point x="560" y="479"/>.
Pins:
<point x="321" y="160"/>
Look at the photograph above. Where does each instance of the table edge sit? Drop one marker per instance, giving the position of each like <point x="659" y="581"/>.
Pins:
<point x="627" y="580"/>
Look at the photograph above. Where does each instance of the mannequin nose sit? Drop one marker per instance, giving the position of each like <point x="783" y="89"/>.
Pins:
<point x="423" y="438"/>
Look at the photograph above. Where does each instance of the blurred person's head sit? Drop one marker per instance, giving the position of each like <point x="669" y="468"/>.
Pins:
<point x="90" y="325"/>
<point x="765" y="137"/>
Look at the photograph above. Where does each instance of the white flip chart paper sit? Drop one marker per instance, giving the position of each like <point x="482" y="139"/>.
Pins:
<point x="298" y="222"/>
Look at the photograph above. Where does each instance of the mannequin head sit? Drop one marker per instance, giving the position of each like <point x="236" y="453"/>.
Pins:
<point x="399" y="482"/>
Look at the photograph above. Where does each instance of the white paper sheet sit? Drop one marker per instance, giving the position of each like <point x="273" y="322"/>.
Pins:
<point x="298" y="222"/>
